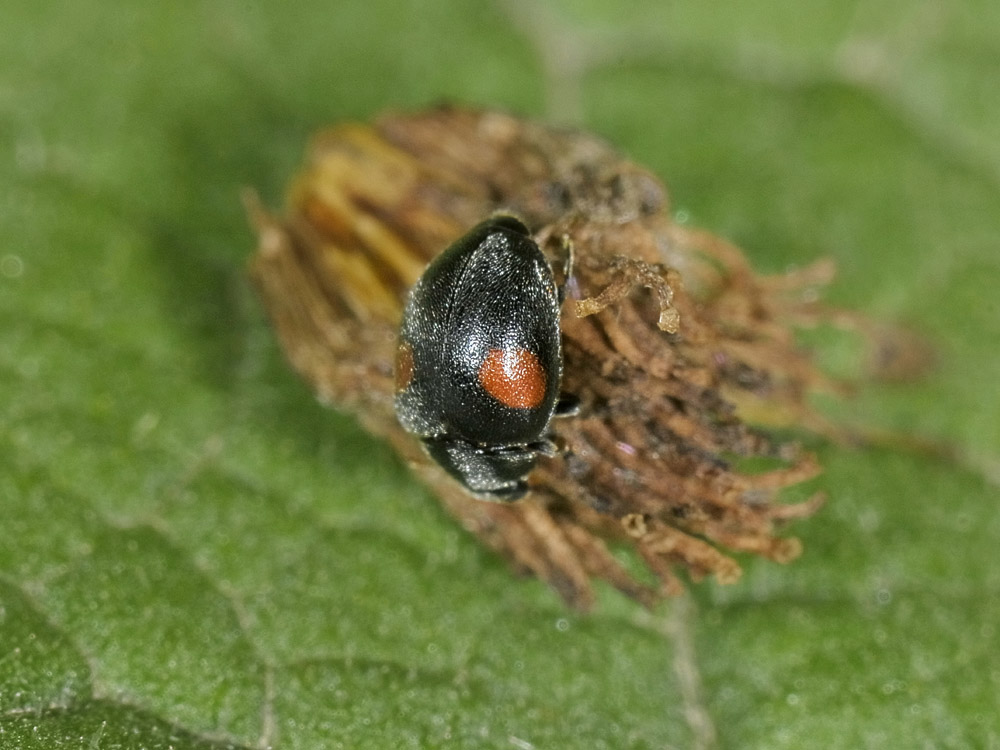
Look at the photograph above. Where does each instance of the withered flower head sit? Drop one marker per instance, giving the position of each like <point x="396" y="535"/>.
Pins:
<point x="671" y="343"/>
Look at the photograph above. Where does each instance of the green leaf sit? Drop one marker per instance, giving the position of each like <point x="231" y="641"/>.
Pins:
<point x="194" y="554"/>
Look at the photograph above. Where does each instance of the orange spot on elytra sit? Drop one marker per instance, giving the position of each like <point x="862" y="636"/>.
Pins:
<point x="514" y="377"/>
<point x="404" y="365"/>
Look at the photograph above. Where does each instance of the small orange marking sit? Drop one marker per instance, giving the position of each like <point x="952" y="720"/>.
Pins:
<point x="514" y="377"/>
<point x="404" y="365"/>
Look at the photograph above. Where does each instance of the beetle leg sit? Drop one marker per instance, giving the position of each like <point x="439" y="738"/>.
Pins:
<point x="544" y="447"/>
<point x="568" y="405"/>
<point x="567" y="270"/>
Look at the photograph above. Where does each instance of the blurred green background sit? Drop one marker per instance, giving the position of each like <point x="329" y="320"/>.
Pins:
<point x="194" y="554"/>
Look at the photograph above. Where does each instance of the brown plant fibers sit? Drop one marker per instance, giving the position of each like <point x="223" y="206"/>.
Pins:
<point x="671" y="341"/>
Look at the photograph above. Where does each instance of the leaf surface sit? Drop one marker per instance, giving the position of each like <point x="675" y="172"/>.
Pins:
<point x="196" y="555"/>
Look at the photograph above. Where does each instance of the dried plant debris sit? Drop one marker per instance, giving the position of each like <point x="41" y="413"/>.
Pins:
<point x="671" y="342"/>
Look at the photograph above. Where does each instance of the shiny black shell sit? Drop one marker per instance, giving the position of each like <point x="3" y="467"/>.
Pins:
<point x="491" y="291"/>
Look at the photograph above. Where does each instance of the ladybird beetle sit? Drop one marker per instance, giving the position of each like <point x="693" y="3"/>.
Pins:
<point x="479" y="359"/>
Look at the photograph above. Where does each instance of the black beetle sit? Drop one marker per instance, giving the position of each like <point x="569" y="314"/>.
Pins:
<point x="479" y="361"/>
